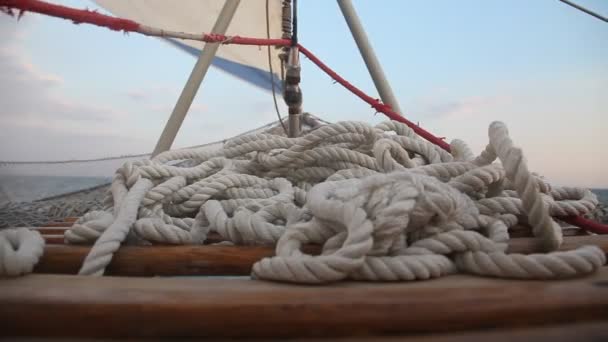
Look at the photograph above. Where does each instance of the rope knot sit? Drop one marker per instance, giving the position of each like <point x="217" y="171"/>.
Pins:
<point x="20" y="250"/>
<point x="362" y="221"/>
<point x="382" y="203"/>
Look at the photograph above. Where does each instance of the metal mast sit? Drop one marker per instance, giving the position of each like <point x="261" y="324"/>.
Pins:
<point x="196" y="78"/>
<point x="367" y="52"/>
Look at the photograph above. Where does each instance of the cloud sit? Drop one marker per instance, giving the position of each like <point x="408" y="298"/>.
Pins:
<point x="136" y="95"/>
<point x="466" y="108"/>
<point x="35" y="107"/>
<point x="166" y="108"/>
<point x="31" y="95"/>
<point x="151" y="93"/>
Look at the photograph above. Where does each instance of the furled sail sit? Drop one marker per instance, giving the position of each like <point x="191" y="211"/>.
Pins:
<point x="249" y="63"/>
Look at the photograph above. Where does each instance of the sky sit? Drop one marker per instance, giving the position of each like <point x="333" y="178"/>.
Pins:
<point x="455" y="66"/>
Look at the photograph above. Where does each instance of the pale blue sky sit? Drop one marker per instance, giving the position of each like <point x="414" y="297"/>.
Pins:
<point x="455" y="66"/>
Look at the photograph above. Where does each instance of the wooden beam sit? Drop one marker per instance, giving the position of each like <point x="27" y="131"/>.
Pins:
<point x="218" y="260"/>
<point x="54" y="235"/>
<point x="55" y="239"/>
<point x="158" y="260"/>
<point x="78" y="306"/>
<point x="49" y="230"/>
<point x="58" y="224"/>
<point x="533" y="245"/>
<point x="578" y="331"/>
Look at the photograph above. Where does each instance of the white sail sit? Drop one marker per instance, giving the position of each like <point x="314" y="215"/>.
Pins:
<point x="249" y="63"/>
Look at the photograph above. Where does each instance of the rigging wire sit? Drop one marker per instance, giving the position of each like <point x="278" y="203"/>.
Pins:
<point x="274" y="93"/>
<point x="583" y="9"/>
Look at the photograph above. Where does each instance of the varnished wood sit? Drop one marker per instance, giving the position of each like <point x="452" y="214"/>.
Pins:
<point x="213" y="237"/>
<point x="76" y="306"/>
<point x="54" y="239"/>
<point x="519" y="231"/>
<point x="56" y="236"/>
<point x="65" y="222"/>
<point x="58" y="224"/>
<point x="533" y="245"/>
<point x="158" y="260"/>
<point x="217" y="260"/>
<point x="578" y="331"/>
<point x="49" y="230"/>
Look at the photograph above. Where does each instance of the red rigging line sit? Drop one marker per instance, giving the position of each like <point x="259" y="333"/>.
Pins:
<point x="79" y="16"/>
<point x="125" y="25"/>
<point x="586" y="224"/>
<point x="375" y="103"/>
<point x="76" y="15"/>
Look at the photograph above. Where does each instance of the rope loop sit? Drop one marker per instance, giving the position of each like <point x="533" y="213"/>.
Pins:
<point x="383" y="204"/>
<point x="20" y="250"/>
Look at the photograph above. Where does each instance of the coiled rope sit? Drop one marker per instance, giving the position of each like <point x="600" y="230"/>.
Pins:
<point x="384" y="204"/>
<point x="118" y="24"/>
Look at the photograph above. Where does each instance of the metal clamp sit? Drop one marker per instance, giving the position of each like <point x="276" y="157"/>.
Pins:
<point x="292" y="94"/>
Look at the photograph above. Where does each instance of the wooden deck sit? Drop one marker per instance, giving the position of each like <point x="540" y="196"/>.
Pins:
<point x="134" y="304"/>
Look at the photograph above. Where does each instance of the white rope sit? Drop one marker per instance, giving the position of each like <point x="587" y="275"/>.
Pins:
<point x="109" y="241"/>
<point x="20" y="250"/>
<point x="384" y="205"/>
<point x="88" y="228"/>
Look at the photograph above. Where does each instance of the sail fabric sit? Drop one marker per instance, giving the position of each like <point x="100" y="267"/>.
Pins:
<point x="248" y="63"/>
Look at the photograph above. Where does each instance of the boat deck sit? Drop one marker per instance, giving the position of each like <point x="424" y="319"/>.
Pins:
<point x="174" y="291"/>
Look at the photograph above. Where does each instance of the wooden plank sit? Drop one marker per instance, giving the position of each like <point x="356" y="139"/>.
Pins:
<point x="580" y="331"/>
<point x="54" y="235"/>
<point x="213" y="237"/>
<point x="77" y="306"/>
<point x="49" y="230"/>
<point x="533" y="245"/>
<point x="64" y="222"/>
<point x="158" y="260"/>
<point x="57" y="224"/>
<point x="519" y="231"/>
<point x="54" y="239"/>
<point x="585" y="331"/>
<point x="216" y="260"/>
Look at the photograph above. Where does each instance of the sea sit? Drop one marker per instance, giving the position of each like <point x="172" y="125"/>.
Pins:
<point x="20" y="188"/>
<point x="602" y="195"/>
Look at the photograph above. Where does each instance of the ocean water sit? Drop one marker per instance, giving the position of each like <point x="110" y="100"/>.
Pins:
<point x="20" y="188"/>
<point x="602" y="195"/>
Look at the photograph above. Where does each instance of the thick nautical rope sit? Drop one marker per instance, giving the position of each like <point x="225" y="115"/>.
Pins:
<point x="243" y="191"/>
<point x="365" y="224"/>
<point x="383" y="203"/>
<point x="20" y="250"/>
<point x="101" y="254"/>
